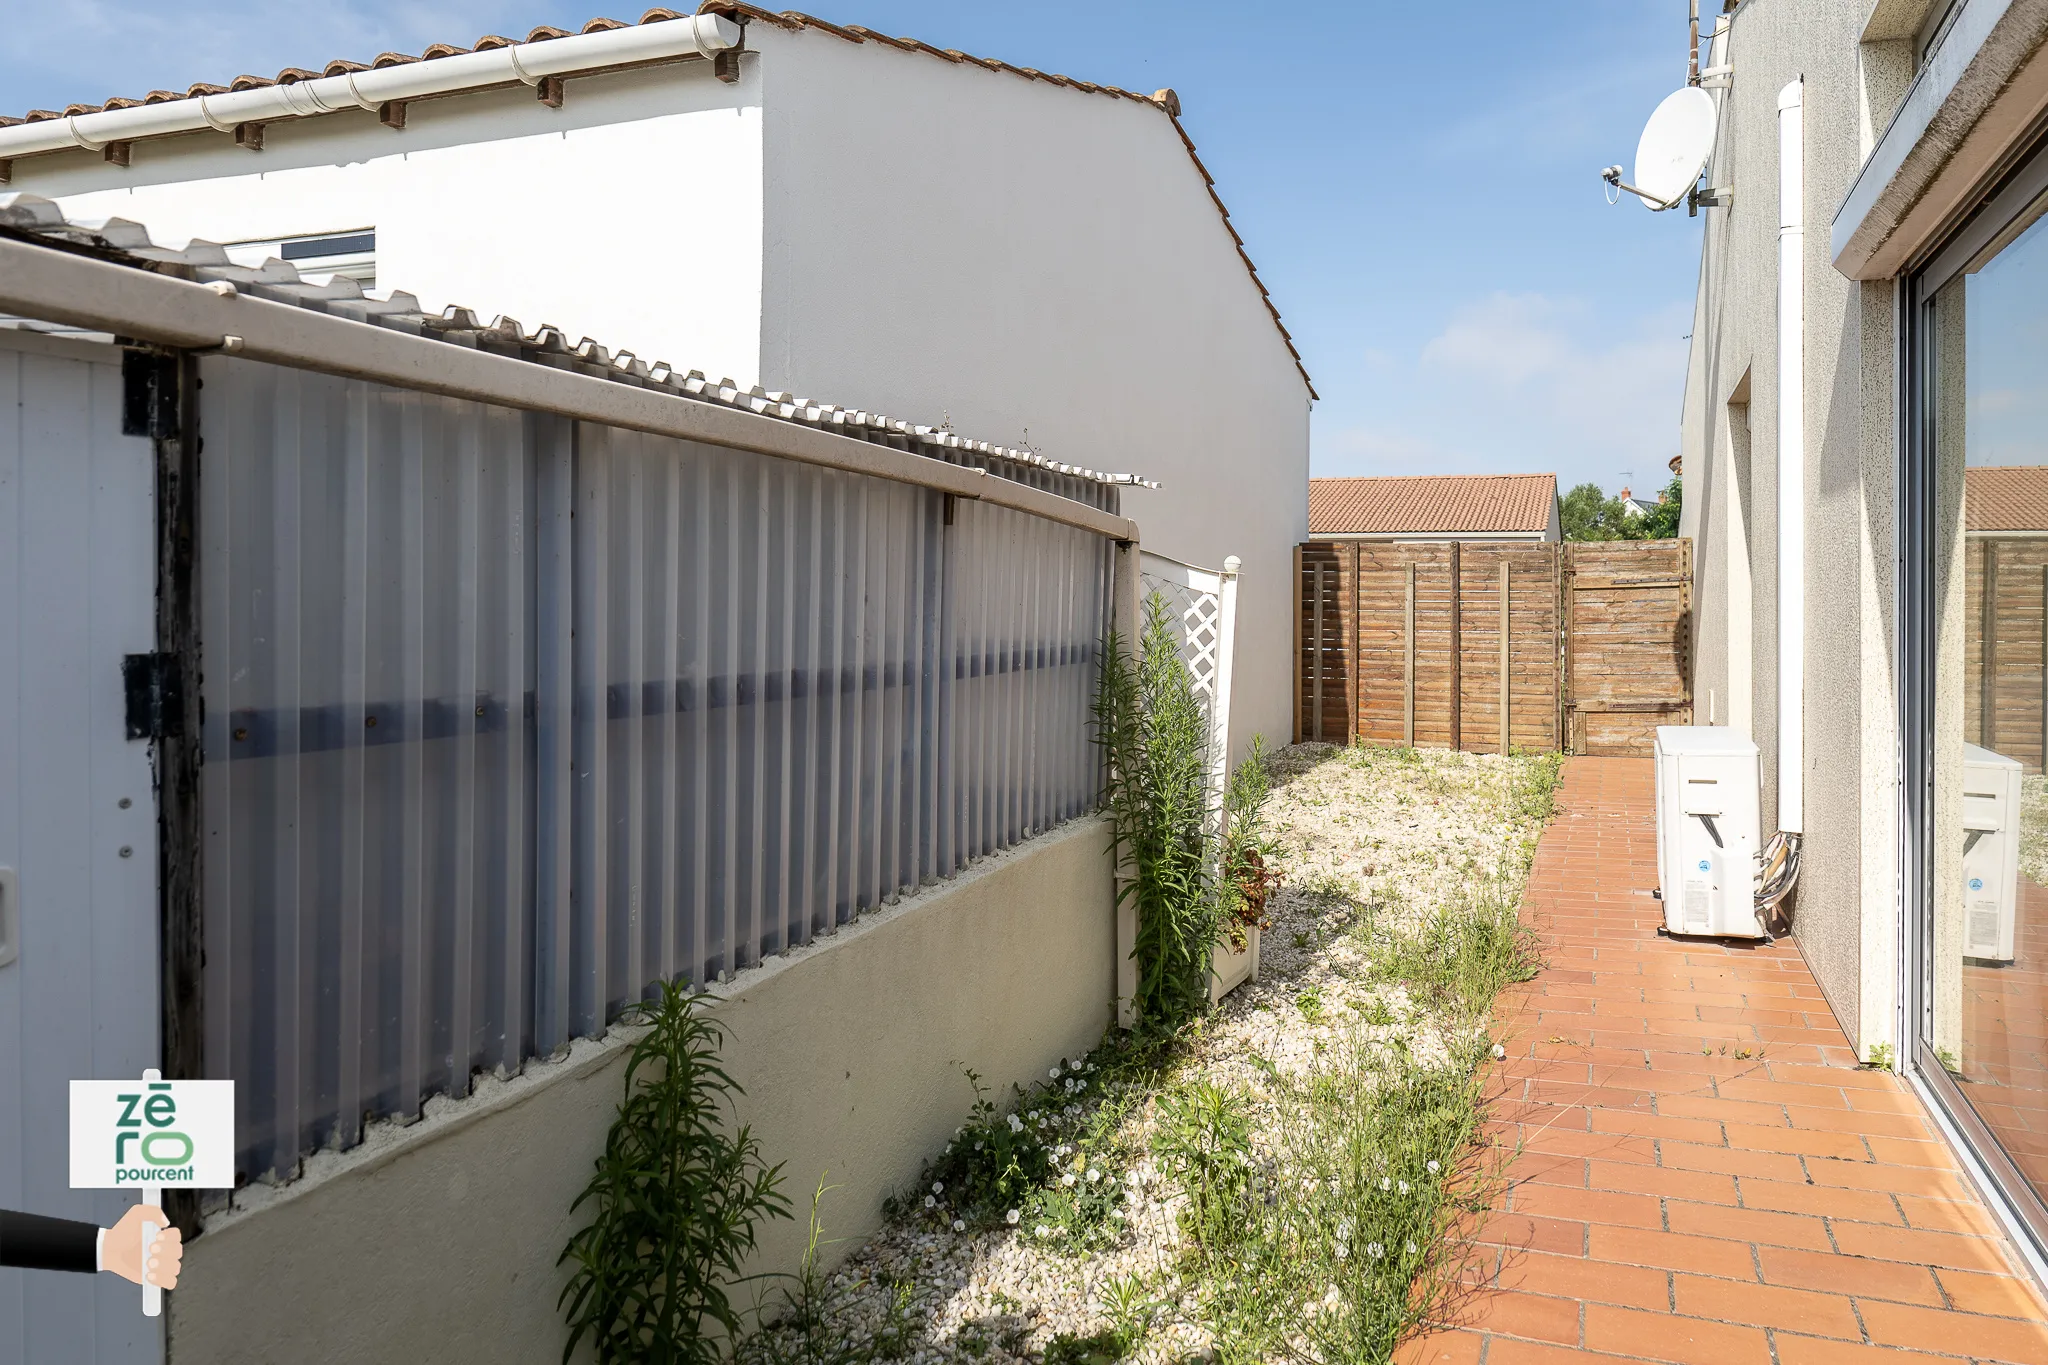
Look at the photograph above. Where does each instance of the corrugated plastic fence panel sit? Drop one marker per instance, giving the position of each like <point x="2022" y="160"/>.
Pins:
<point x="510" y="717"/>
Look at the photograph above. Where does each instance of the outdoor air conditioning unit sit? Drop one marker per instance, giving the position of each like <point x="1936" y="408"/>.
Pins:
<point x="1991" y="852"/>
<point x="1707" y="831"/>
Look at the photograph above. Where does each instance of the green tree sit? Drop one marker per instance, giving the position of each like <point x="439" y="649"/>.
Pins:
<point x="1586" y="513"/>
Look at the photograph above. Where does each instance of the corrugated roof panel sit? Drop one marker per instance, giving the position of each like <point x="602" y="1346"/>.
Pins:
<point x="279" y="281"/>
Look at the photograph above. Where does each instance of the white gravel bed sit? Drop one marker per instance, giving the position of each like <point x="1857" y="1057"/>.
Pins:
<point x="1402" y="832"/>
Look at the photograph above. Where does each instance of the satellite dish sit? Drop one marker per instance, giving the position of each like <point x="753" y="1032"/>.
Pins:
<point x="1676" y="143"/>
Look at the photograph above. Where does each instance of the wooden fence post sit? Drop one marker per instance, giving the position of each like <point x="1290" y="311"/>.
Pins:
<point x="1408" y="662"/>
<point x="1318" y="652"/>
<point x="1354" y="673"/>
<point x="1457" y="650"/>
<point x="1988" y="727"/>
<point x="1503" y="657"/>
<point x="1299" y="580"/>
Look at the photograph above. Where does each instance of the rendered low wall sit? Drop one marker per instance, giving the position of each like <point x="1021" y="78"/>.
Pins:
<point x="439" y="1240"/>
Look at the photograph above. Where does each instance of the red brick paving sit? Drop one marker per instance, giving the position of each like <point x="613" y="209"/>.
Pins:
<point x="1705" y="1177"/>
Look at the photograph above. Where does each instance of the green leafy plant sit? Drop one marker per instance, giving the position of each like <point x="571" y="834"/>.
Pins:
<point x="1153" y="733"/>
<point x="677" y="1198"/>
<point x="1881" y="1057"/>
<point x="1249" y="850"/>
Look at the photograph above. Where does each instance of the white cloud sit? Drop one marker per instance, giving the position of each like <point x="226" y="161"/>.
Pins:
<point x="1526" y="382"/>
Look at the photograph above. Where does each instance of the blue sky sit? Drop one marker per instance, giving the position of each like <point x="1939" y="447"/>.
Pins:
<point x="1418" y="183"/>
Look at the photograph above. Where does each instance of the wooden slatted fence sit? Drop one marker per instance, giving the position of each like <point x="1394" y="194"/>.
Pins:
<point x="1486" y="645"/>
<point x="2005" y="689"/>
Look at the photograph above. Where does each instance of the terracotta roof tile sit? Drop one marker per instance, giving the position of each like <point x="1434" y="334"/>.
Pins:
<point x="1164" y="100"/>
<point x="1431" y="503"/>
<point x="2005" y="498"/>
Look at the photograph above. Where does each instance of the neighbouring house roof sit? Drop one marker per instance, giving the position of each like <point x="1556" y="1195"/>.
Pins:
<point x="2005" y="498"/>
<point x="1164" y="100"/>
<point x="30" y="216"/>
<point x="1446" y="503"/>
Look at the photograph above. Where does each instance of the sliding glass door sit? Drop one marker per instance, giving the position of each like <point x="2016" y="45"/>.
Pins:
<point x="1975" y="511"/>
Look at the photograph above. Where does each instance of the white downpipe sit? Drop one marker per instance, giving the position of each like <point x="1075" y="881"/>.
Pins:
<point x="1791" y="461"/>
<point x="699" y="35"/>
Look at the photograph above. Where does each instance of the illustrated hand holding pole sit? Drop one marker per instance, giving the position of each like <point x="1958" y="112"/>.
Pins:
<point x="145" y="1249"/>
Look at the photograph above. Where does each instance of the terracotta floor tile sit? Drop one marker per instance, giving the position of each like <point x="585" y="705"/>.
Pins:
<point x="1590" y="1206"/>
<point x="1538" y="1317"/>
<point x="1749" y="1225"/>
<point x="1580" y="1278"/>
<point x="1926" y="1329"/>
<point x="1670" y="1251"/>
<point x="1825" y="1201"/>
<point x="1954" y="1250"/>
<point x="1762" y="1305"/>
<point x="1800" y="1350"/>
<point x="1507" y="1351"/>
<point x="1661" y="1336"/>
<point x="1446" y="1347"/>
<point x="2001" y="1296"/>
<point x="1836" y="1274"/>
<point x="1677" y="1202"/>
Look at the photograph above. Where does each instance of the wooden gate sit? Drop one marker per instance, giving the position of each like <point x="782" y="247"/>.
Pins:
<point x="1628" y="642"/>
<point x="1487" y="645"/>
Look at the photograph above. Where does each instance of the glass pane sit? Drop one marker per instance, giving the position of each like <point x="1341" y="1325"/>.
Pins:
<point x="1987" y="995"/>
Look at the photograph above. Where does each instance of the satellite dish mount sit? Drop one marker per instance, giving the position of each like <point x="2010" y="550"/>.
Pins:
<point x="1673" y="151"/>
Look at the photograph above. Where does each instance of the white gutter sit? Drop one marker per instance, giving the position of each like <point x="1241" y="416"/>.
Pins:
<point x="699" y="35"/>
<point x="1791" y="459"/>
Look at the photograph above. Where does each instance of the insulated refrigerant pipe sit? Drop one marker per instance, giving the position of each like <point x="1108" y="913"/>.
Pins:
<point x="699" y="35"/>
<point x="1791" y="460"/>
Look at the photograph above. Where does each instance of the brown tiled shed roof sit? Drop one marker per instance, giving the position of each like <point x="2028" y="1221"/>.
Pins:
<point x="1431" y="503"/>
<point x="1164" y="100"/>
<point x="2006" y="498"/>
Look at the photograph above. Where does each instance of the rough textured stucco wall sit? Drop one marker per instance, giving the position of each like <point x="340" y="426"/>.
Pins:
<point x="1845" y="913"/>
<point x="441" y="1238"/>
<point x="946" y="241"/>
<point x="632" y="214"/>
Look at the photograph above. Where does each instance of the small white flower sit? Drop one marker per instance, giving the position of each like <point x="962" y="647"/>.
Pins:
<point x="1410" y="1248"/>
<point x="1044" y="1231"/>
<point x="977" y="1146"/>
<point x="959" y="1225"/>
<point x="931" y="1201"/>
<point x="1067" y="1179"/>
<point x="1016" y="1124"/>
<point x="1375" y="1250"/>
<point x="1074" y="1065"/>
<point x="1404" y="1187"/>
<point x="1013" y="1217"/>
<point x="1386" y="1182"/>
<point x="1091" y="1066"/>
<point x="1034" y="1116"/>
<point x="938" y="1187"/>
<point x="1117" y="1214"/>
<point x="1344" y="1231"/>
<point x="1094" y="1175"/>
<point x="1342" y="1251"/>
<point x="1053" y="1074"/>
<point x="1499" y="1053"/>
<point x="1434" y="1168"/>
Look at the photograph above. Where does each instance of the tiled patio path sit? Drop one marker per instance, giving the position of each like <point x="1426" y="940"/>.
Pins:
<point x="1676" y="1200"/>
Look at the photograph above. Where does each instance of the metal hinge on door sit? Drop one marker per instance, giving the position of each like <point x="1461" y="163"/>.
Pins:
<point x="155" y="695"/>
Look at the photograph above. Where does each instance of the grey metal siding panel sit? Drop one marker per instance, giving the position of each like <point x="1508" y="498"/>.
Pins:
<point x="510" y="718"/>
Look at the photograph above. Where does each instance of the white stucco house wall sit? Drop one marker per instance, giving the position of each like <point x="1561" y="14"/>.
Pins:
<point x="774" y="199"/>
<point x="1875" y="166"/>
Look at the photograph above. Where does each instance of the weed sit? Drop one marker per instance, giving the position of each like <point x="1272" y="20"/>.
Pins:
<point x="1310" y="1003"/>
<point x="1101" y="1348"/>
<point x="1155" y="737"/>
<point x="1880" y="1057"/>
<point x="678" y="1198"/>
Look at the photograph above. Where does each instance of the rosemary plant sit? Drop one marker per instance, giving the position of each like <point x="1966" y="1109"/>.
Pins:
<point x="678" y="1199"/>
